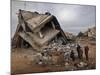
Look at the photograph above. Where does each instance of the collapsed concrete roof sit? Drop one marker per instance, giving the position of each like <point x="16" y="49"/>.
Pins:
<point x="37" y="29"/>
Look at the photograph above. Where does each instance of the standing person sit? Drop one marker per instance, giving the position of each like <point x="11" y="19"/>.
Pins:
<point x="72" y="55"/>
<point x="86" y="52"/>
<point x="78" y="50"/>
<point x="81" y="53"/>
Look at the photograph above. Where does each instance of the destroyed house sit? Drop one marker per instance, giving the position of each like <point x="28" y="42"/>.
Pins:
<point x="37" y="30"/>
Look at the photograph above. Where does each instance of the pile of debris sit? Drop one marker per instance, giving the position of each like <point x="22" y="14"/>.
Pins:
<point x="56" y="53"/>
<point x="90" y="33"/>
<point x="70" y="36"/>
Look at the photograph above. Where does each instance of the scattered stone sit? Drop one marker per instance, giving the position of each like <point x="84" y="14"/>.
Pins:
<point x="66" y="64"/>
<point x="82" y="64"/>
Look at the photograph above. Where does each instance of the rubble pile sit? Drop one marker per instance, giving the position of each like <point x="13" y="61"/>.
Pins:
<point x="90" y="33"/>
<point x="56" y="53"/>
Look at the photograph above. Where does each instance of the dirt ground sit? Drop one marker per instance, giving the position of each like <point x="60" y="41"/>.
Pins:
<point x="22" y="61"/>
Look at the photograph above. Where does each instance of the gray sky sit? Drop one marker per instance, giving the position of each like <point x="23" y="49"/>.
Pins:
<point x="72" y="18"/>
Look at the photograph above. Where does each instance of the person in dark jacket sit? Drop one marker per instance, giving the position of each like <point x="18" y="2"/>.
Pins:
<point x="80" y="52"/>
<point x="72" y="55"/>
<point x="86" y="48"/>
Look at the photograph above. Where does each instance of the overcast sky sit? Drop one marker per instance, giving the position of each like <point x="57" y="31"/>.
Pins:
<point x="72" y="18"/>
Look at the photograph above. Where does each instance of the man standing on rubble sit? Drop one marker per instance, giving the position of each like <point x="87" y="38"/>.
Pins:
<point x="86" y="48"/>
<point x="72" y="55"/>
<point x="79" y="51"/>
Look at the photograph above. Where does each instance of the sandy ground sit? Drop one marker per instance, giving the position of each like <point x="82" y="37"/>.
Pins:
<point x="22" y="61"/>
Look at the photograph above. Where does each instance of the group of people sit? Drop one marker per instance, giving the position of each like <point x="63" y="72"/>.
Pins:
<point x="80" y="53"/>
